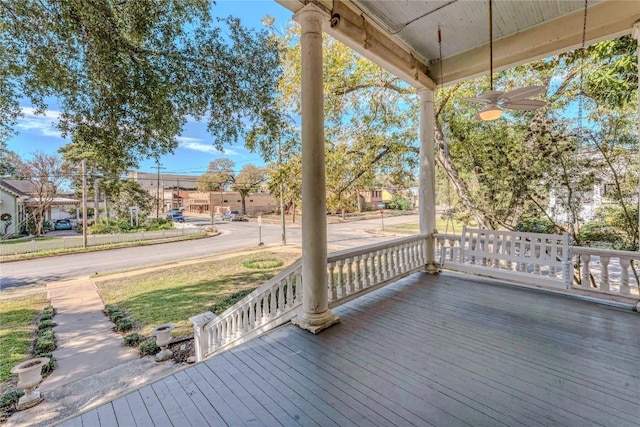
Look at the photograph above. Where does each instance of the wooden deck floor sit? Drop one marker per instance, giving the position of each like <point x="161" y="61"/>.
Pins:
<point x="426" y="351"/>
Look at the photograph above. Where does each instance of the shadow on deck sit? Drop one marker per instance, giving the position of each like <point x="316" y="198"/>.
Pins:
<point x="444" y="350"/>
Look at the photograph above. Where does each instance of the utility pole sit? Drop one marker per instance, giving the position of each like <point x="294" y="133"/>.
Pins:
<point x="282" y="218"/>
<point x="84" y="203"/>
<point x="96" y="198"/>
<point x="158" y="167"/>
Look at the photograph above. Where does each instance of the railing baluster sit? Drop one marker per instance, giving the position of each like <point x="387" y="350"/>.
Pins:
<point x="584" y="271"/>
<point x="366" y="273"/>
<point x="604" y="274"/>
<point x="624" y="276"/>
<point x="341" y="287"/>
<point x="350" y="286"/>
<point x="332" y="283"/>
<point x="358" y="273"/>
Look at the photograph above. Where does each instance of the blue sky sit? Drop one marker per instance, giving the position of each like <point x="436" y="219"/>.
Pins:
<point x="195" y="151"/>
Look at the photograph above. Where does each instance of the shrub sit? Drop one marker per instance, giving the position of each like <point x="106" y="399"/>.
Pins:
<point x="10" y="397"/>
<point x="45" y="324"/>
<point x="110" y="308"/>
<point x="263" y="263"/>
<point x="132" y="340"/>
<point x="47" y="314"/>
<point x="536" y="225"/>
<point x="228" y="301"/>
<point x="148" y="347"/>
<point x="599" y="232"/>
<point x="44" y="346"/>
<point x="116" y="316"/>
<point x="158" y="224"/>
<point x="49" y="367"/>
<point x="124" y="325"/>
<point x="45" y="335"/>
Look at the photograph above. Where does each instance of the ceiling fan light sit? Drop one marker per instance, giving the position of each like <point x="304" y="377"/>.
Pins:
<point x="490" y="112"/>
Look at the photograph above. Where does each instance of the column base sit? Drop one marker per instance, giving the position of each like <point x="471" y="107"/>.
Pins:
<point x="315" y="322"/>
<point x="432" y="268"/>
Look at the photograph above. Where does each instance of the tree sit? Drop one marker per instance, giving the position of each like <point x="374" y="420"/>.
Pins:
<point x="504" y="171"/>
<point x="45" y="173"/>
<point x="128" y="74"/>
<point x="129" y="194"/>
<point x="219" y="176"/>
<point x="370" y="120"/>
<point x="248" y="180"/>
<point x="8" y="160"/>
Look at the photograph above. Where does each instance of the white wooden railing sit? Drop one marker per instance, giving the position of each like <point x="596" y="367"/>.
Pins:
<point x="350" y="273"/>
<point x="353" y="272"/>
<point x="593" y="270"/>
<point x="606" y="270"/>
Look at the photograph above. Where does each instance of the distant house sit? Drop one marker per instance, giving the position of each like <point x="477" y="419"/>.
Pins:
<point x="18" y="198"/>
<point x="11" y="208"/>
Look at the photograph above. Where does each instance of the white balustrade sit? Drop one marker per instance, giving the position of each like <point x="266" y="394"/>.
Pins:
<point x="351" y="273"/>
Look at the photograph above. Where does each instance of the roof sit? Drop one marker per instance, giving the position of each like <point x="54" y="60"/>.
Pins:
<point x="402" y="36"/>
<point x="20" y="186"/>
<point x="11" y="188"/>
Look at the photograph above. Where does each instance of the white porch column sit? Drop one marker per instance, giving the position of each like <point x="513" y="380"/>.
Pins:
<point x="428" y="176"/>
<point x="636" y="34"/>
<point x="315" y="314"/>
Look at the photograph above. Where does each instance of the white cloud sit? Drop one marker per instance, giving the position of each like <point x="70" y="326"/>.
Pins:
<point x="197" y="144"/>
<point x="42" y="124"/>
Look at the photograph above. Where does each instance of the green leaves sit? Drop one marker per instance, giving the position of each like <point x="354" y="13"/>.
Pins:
<point x="128" y="74"/>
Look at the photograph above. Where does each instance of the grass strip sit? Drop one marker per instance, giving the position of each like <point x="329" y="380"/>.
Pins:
<point x="17" y="329"/>
<point x="173" y="295"/>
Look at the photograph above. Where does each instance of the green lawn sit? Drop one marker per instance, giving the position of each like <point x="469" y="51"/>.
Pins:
<point x="17" y="329"/>
<point x="173" y="295"/>
<point x="442" y="226"/>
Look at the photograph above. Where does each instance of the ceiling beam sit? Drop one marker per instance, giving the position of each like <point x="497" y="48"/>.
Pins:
<point x="606" y="20"/>
<point x="367" y="39"/>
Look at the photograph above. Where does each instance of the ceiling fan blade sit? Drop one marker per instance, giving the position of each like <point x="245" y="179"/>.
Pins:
<point x="524" y="105"/>
<point x="492" y="95"/>
<point x="478" y="100"/>
<point x="522" y="93"/>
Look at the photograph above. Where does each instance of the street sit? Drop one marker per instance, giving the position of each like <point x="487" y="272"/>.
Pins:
<point x="234" y="236"/>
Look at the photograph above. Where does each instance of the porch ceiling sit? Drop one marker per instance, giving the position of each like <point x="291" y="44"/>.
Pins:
<point x="404" y="34"/>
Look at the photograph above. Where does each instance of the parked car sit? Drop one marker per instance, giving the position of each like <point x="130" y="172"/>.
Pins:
<point x="62" y="224"/>
<point x="176" y="217"/>
<point x="232" y="216"/>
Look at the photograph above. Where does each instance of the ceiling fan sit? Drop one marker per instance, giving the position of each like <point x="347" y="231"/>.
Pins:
<point x="494" y="100"/>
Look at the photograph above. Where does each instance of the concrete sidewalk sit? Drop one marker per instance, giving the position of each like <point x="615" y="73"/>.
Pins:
<point x="93" y="364"/>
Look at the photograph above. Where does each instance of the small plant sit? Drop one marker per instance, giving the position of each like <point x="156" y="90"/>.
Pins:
<point x="124" y="325"/>
<point x="47" y="314"/>
<point x="8" y="401"/>
<point x="110" y="308"/>
<point x="263" y="263"/>
<point x="44" y="346"/>
<point x="49" y="367"/>
<point x="132" y="340"/>
<point x="116" y="316"/>
<point x="46" y="324"/>
<point x="228" y="301"/>
<point x="148" y="347"/>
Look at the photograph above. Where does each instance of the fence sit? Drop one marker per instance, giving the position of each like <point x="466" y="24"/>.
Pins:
<point x="9" y="248"/>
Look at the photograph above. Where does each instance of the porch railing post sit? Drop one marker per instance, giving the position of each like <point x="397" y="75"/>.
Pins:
<point x="427" y="195"/>
<point x="315" y="314"/>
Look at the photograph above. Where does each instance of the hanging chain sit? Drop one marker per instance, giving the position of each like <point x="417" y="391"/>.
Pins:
<point x="579" y="141"/>
<point x="448" y="214"/>
<point x="491" y="44"/>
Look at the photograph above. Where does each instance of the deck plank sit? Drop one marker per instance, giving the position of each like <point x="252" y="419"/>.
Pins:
<point x="107" y="416"/>
<point x="154" y="406"/>
<point x="124" y="416"/>
<point x="199" y="399"/>
<point x="139" y="410"/>
<point x="441" y="350"/>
